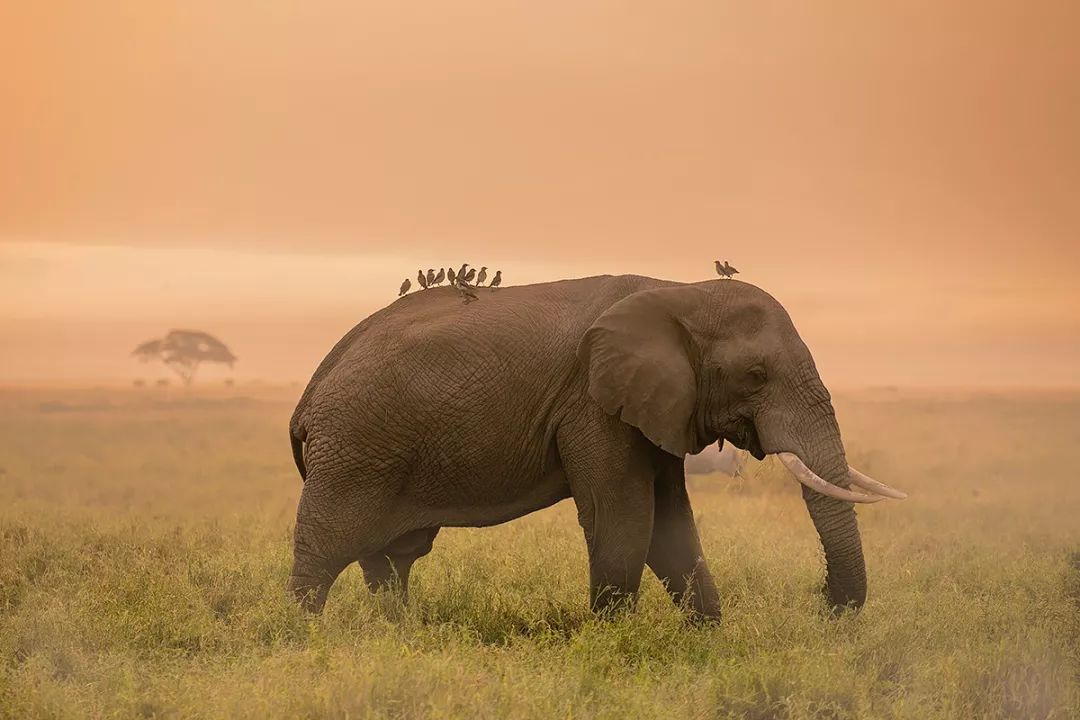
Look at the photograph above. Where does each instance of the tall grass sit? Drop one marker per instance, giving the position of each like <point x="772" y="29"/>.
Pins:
<point x="144" y="546"/>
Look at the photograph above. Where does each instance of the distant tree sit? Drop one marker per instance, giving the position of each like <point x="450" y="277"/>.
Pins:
<point x="182" y="351"/>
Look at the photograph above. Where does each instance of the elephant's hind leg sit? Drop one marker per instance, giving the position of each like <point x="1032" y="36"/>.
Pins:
<point x="335" y="526"/>
<point x="388" y="569"/>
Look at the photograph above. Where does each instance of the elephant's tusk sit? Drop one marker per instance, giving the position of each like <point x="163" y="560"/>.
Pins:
<point x="810" y="479"/>
<point x="869" y="483"/>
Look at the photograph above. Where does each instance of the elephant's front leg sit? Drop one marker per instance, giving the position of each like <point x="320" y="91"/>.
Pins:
<point x="611" y="478"/>
<point x="675" y="553"/>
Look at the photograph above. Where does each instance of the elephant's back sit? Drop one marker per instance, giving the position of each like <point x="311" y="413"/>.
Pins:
<point x="432" y="341"/>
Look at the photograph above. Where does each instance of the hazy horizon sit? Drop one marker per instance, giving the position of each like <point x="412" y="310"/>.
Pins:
<point x="906" y="180"/>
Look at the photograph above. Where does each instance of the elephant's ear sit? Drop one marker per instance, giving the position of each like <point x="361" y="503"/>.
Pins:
<point x="638" y="358"/>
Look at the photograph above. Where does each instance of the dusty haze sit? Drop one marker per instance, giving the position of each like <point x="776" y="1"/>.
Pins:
<point x="906" y="180"/>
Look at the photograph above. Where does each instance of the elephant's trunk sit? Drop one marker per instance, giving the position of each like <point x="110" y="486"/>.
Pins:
<point x="834" y="519"/>
<point x="845" y="570"/>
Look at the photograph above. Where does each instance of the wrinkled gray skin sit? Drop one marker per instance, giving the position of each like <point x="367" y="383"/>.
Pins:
<point x="431" y="413"/>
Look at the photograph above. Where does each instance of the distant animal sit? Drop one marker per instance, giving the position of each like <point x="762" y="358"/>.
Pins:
<point x="451" y="276"/>
<point x="462" y="270"/>
<point x="726" y="459"/>
<point x="497" y="280"/>
<point x="482" y="276"/>
<point x="470" y="275"/>
<point x="404" y="287"/>
<point x="593" y="389"/>
<point x="421" y="278"/>
<point x="431" y="277"/>
<point x="725" y="270"/>
<point x="440" y="277"/>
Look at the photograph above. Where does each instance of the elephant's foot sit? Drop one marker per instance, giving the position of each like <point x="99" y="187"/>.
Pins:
<point x="384" y="573"/>
<point x="609" y="601"/>
<point x="312" y="576"/>
<point x="388" y="569"/>
<point x="310" y="591"/>
<point x="700" y="601"/>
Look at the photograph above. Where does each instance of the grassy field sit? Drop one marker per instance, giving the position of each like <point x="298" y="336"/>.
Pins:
<point x="144" y="546"/>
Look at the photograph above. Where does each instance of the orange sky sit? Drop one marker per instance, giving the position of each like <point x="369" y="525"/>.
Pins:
<point x="905" y="178"/>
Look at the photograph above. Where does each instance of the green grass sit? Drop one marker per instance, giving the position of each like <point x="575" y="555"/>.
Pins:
<point x="144" y="546"/>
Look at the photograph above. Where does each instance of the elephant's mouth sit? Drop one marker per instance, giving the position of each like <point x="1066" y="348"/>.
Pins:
<point x="746" y="438"/>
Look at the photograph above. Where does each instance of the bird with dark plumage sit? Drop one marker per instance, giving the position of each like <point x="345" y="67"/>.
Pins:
<point x="465" y="289"/>
<point x="421" y="278"/>
<point x="431" y="277"/>
<point x="482" y="276"/>
<point x="497" y="280"/>
<point x="440" y="276"/>
<point x="725" y="270"/>
<point x="404" y="287"/>
<point x="451" y="276"/>
<point x="462" y="270"/>
<point x="470" y="275"/>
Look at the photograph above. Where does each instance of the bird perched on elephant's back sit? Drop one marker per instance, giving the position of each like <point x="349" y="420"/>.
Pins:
<point x="421" y="278"/>
<point x="404" y="287"/>
<point x="429" y="414"/>
<point x="725" y="270"/>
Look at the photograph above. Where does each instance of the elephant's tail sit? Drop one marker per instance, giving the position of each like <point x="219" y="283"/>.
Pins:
<point x="296" y="438"/>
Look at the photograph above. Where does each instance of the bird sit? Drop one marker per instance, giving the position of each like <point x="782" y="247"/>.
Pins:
<point x="466" y="290"/>
<point x="470" y="275"/>
<point x="440" y="277"/>
<point x="431" y="277"/>
<point x="467" y="294"/>
<point x="724" y="270"/>
<point x="451" y="276"/>
<point x="420" y="278"/>
<point x="461" y="271"/>
<point x="404" y="287"/>
<point x="497" y="280"/>
<point x="482" y="276"/>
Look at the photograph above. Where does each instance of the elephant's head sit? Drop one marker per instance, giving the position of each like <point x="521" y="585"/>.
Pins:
<point x="692" y="364"/>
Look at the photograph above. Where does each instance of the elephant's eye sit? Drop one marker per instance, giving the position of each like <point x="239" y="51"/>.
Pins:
<point x="757" y="375"/>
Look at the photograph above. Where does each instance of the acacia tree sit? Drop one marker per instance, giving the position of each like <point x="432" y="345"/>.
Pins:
<point x="182" y="351"/>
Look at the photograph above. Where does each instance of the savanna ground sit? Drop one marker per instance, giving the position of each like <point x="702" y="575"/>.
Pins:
<point x="144" y="546"/>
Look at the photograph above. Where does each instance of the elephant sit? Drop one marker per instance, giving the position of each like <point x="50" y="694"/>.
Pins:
<point x="431" y="413"/>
